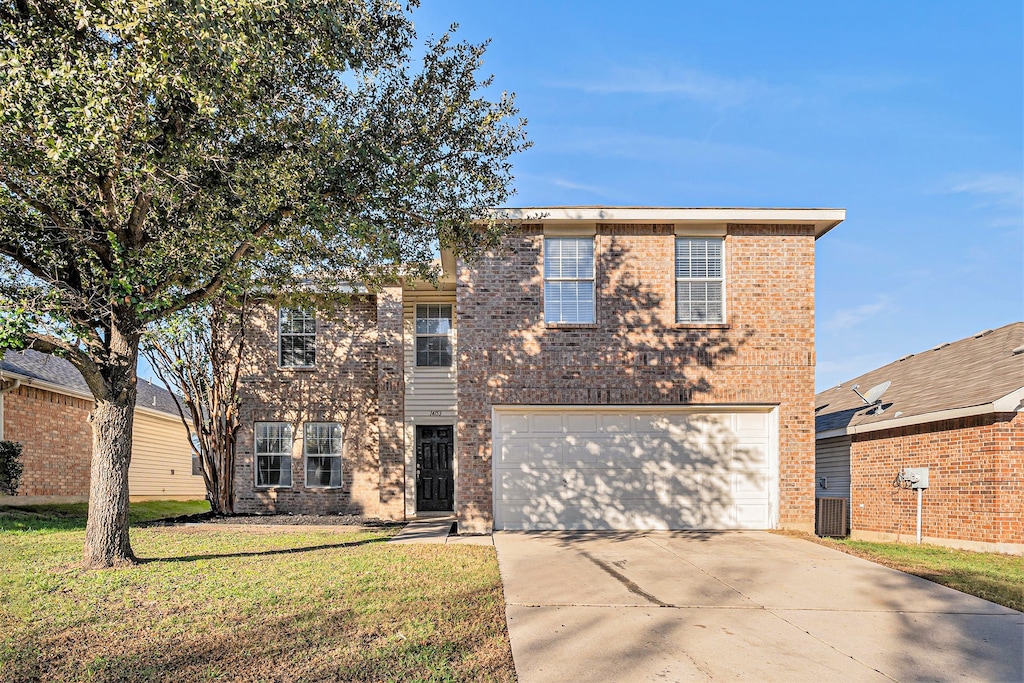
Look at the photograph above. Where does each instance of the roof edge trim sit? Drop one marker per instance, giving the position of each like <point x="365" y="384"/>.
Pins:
<point x="823" y="220"/>
<point x="1007" y="404"/>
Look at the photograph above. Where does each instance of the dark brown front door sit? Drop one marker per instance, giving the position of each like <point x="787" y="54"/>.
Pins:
<point x="435" y="479"/>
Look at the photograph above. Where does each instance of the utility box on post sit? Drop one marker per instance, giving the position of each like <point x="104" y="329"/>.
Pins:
<point x="917" y="477"/>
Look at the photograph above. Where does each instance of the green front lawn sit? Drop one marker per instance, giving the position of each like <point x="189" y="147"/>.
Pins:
<point x="68" y="516"/>
<point x="253" y="604"/>
<point x="993" y="576"/>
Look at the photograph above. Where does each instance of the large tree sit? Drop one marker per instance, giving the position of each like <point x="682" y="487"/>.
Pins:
<point x="152" y="151"/>
<point x="198" y="353"/>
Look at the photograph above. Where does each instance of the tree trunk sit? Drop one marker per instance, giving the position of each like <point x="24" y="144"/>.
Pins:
<point x="106" y="531"/>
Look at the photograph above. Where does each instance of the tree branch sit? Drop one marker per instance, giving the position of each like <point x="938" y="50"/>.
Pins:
<point x="48" y="344"/>
<point x="207" y="290"/>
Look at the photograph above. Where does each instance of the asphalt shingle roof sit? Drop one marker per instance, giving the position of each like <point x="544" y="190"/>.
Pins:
<point x="42" y="366"/>
<point x="971" y="372"/>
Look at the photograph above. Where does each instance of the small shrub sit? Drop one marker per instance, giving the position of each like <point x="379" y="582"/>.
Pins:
<point x="10" y="467"/>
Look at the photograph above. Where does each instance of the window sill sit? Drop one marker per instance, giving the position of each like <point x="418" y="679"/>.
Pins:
<point x="571" y="326"/>
<point x="296" y="368"/>
<point x="702" y="326"/>
<point x="279" y="487"/>
<point x="326" y="488"/>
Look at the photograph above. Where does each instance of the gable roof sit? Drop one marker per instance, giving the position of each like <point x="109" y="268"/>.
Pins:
<point x="61" y="374"/>
<point x="981" y="374"/>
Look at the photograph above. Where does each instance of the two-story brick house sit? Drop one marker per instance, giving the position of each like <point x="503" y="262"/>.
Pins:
<point x="607" y="368"/>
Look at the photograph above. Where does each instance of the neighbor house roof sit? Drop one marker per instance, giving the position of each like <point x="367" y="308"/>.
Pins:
<point x="57" y="374"/>
<point x="981" y="374"/>
<point x="823" y="220"/>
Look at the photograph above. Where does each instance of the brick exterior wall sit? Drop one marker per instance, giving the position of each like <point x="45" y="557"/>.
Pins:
<point x="391" y="402"/>
<point x="636" y="354"/>
<point x="56" y="440"/>
<point x="342" y="388"/>
<point x="976" y="481"/>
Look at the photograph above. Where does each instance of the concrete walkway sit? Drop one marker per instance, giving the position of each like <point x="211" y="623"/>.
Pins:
<point x="436" y="531"/>
<point x="752" y="606"/>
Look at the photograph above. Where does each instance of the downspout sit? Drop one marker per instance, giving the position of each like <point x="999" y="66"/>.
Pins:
<point x="15" y="383"/>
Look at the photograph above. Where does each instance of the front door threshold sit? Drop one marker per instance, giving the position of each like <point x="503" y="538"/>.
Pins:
<point x="433" y="514"/>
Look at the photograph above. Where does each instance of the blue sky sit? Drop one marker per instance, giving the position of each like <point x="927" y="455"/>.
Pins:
<point x="907" y="114"/>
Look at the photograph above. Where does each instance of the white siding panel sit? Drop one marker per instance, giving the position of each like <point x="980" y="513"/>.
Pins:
<point x="832" y="462"/>
<point x="428" y="391"/>
<point x="161" y="465"/>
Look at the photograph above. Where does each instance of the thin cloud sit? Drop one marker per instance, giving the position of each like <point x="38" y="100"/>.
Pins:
<point x="611" y="143"/>
<point x="685" y="83"/>
<point x="568" y="184"/>
<point x="1005" y="189"/>
<point x="847" y="318"/>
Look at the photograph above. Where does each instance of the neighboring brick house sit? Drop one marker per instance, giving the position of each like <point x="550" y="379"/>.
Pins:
<point x="957" y="409"/>
<point x="45" y="406"/>
<point x="607" y="367"/>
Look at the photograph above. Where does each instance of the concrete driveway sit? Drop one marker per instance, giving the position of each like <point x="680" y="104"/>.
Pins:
<point x="754" y="606"/>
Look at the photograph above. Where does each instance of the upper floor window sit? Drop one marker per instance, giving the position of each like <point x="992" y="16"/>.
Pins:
<point x="322" y="448"/>
<point x="700" y="280"/>
<point x="297" y="338"/>
<point x="433" y="335"/>
<point x="569" y="280"/>
<point x="273" y="449"/>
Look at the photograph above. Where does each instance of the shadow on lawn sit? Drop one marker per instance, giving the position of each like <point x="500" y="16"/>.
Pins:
<point x="264" y="553"/>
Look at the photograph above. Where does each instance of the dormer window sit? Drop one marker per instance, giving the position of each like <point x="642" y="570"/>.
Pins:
<point x="296" y="338"/>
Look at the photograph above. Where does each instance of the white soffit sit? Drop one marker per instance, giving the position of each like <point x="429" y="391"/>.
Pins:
<point x="823" y="220"/>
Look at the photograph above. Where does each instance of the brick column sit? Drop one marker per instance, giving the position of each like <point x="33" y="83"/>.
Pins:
<point x="391" y="403"/>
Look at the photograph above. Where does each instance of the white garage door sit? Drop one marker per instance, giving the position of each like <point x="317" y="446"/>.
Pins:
<point x="586" y="468"/>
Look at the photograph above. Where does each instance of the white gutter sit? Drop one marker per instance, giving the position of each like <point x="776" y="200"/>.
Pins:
<point x="26" y="381"/>
<point x="1011" y="403"/>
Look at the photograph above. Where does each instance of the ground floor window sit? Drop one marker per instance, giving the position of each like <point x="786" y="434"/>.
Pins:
<point x="273" y="454"/>
<point x="322" y="448"/>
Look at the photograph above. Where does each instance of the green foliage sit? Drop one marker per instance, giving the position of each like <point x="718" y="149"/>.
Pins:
<point x="154" y="151"/>
<point x="10" y="467"/>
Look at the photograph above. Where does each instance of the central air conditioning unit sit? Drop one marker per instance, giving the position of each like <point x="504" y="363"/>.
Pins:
<point x="830" y="517"/>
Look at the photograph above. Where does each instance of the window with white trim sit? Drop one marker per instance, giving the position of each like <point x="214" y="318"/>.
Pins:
<point x="296" y="338"/>
<point x="273" y="447"/>
<point x="433" y="335"/>
<point x="700" y="280"/>
<point x="322" y="448"/>
<point x="569" y="279"/>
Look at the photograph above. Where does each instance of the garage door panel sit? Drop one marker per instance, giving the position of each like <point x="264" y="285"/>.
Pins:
<point x="584" y="423"/>
<point x="595" y="469"/>
<point x="750" y="424"/>
<point x="515" y="424"/>
<point x="541" y="423"/>
<point x="749" y="455"/>
<point x="751" y="515"/>
<point x="616" y="423"/>
<point x="511" y="451"/>
<point x="749" y="483"/>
